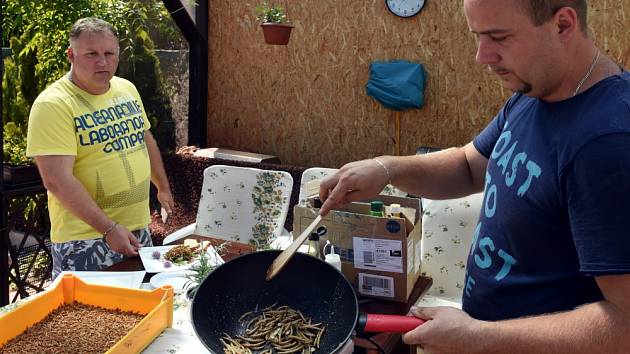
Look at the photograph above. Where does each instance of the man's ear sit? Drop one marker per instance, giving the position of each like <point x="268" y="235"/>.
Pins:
<point x="70" y="54"/>
<point x="566" y="22"/>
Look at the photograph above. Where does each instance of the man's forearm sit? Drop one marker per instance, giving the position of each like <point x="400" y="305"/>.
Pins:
<point x="440" y="175"/>
<point x="595" y="328"/>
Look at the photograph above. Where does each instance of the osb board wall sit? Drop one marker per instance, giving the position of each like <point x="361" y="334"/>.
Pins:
<point x="306" y="102"/>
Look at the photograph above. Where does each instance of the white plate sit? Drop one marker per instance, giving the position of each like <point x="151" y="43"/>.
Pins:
<point x="152" y="265"/>
<point x="177" y="280"/>
<point x="120" y="279"/>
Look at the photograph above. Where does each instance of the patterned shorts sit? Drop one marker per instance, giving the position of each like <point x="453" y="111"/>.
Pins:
<point x="92" y="254"/>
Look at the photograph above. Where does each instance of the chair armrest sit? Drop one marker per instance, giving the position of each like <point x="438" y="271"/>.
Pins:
<point x="181" y="233"/>
<point x="432" y="301"/>
<point x="281" y="242"/>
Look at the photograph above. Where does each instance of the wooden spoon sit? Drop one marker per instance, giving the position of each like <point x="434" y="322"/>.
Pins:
<point x="288" y="253"/>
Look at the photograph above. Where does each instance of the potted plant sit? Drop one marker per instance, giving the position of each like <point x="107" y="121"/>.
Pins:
<point x="274" y="26"/>
<point x="16" y="167"/>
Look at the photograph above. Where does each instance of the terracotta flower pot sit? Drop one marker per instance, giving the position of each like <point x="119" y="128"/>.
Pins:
<point x="276" y="33"/>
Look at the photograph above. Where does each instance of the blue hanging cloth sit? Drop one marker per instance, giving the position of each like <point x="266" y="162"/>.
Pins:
<point x="397" y="85"/>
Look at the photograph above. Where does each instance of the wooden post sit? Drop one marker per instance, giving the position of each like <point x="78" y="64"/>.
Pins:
<point x="397" y="115"/>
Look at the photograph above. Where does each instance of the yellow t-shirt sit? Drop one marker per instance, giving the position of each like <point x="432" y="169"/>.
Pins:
<point x="106" y="134"/>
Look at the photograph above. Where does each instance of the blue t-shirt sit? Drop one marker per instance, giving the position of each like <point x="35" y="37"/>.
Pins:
<point x="556" y="208"/>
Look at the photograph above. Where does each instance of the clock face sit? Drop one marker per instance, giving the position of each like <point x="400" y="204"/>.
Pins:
<point x="405" y="8"/>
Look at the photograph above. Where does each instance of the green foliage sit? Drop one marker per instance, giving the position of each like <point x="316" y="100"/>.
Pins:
<point x="13" y="18"/>
<point x="14" y="145"/>
<point x="14" y="105"/>
<point x="29" y="213"/>
<point x="143" y="69"/>
<point x="200" y="270"/>
<point x="164" y="33"/>
<point x="267" y="13"/>
<point x="42" y="265"/>
<point x="37" y="32"/>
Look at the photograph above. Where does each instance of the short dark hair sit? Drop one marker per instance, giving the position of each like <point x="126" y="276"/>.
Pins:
<point x="541" y="11"/>
<point x="91" y="25"/>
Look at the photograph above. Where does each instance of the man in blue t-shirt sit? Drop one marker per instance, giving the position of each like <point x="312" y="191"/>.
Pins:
<point x="549" y="266"/>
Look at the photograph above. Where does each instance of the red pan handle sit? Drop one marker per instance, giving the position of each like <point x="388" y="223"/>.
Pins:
<point x="387" y="323"/>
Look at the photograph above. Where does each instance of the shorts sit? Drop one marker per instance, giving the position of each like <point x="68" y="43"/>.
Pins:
<point x="94" y="254"/>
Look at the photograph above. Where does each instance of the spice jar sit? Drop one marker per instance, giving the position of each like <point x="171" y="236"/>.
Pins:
<point x="395" y="211"/>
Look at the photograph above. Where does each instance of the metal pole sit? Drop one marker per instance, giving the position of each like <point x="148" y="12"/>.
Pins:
<point x="4" y="232"/>
<point x="4" y="259"/>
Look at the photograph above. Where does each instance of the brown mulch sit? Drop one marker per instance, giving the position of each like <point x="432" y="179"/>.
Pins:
<point x="75" y="328"/>
<point x="178" y="219"/>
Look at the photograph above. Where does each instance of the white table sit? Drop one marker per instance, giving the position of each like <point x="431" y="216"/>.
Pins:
<point x="181" y="338"/>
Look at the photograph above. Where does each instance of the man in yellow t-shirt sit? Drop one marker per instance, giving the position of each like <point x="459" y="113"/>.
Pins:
<point x="89" y="135"/>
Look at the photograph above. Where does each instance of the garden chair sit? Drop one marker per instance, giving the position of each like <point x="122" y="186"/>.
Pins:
<point x="245" y="205"/>
<point x="447" y="232"/>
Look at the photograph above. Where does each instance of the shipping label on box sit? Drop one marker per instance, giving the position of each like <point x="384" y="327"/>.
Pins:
<point x="376" y="285"/>
<point x="377" y="253"/>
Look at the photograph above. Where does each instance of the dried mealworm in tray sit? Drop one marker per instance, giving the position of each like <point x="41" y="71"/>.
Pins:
<point x="75" y="328"/>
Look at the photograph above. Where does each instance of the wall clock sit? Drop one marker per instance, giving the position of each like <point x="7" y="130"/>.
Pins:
<point x="404" y="8"/>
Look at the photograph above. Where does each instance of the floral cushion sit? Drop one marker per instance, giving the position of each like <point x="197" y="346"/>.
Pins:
<point x="447" y="231"/>
<point x="312" y="174"/>
<point x="245" y="205"/>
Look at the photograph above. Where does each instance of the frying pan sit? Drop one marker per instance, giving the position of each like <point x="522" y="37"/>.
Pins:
<point x="306" y="284"/>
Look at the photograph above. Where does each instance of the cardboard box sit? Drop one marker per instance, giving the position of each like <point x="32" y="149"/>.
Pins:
<point x="380" y="256"/>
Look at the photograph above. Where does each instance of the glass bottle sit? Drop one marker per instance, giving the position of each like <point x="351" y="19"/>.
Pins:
<point x="376" y="208"/>
<point x="313" y="244"/>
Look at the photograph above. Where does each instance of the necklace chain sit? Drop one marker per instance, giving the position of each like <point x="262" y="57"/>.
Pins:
<point x="588" y="74"/>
